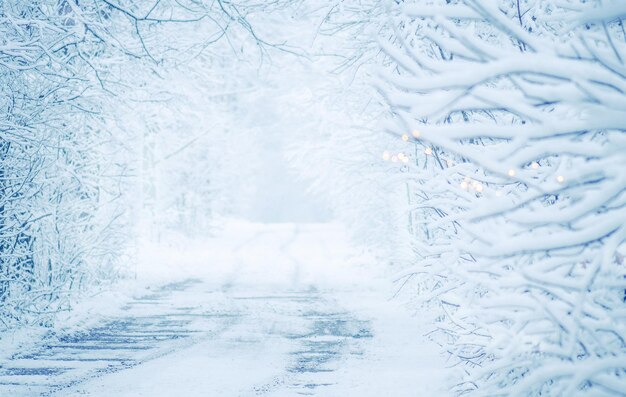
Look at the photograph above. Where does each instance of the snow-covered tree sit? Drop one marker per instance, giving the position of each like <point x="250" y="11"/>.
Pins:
<point x="519" y="107"/>
<point x="55" y="167"/>
<point x="68" y="172"/>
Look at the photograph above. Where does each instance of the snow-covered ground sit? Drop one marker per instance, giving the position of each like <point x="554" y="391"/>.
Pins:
<point x="275" y="310"/>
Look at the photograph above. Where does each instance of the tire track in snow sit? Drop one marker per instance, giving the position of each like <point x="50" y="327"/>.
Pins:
<point x="327" y="337"/>
<point x="154" y="326"/>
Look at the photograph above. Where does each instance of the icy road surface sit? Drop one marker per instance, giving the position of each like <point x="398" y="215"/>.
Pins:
<point x="266" y="310"/>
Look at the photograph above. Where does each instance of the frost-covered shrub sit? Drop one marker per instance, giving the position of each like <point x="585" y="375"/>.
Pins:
<point x="69" y="171"/>
<point x="59" y="172"/>
<point x="518" y="108"/>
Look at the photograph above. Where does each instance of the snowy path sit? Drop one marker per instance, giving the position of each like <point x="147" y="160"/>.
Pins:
<point x="293" y="328"/>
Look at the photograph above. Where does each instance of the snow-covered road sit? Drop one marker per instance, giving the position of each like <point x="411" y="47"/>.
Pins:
<point x="283" y="310"/>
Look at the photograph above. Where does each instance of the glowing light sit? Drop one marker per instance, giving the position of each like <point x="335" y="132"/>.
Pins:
<point x="560" y="179"/>
<point x="386" y="155"/>
<point x="464" y="185"/>
<point x="394" y="159"/>
<point x="449" y="163"/>
<point x="401" y="156"/>
<point x="416" y="134"/>
<point x="534" y="165"/>
<point x="428" y="151"/>
<point x="478" y="187"/>
<point x="511" y="172"/>
<point x="405" y="137"/>
<point x="405" y="159"/>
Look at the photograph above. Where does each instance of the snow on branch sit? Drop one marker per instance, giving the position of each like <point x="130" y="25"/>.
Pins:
<point x="527" y="112"/>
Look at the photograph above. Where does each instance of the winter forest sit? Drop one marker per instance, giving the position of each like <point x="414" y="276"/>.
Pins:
<point x="352" y="198"/>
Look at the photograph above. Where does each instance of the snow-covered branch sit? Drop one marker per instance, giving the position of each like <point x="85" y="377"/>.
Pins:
<point x="528" y="111"/>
